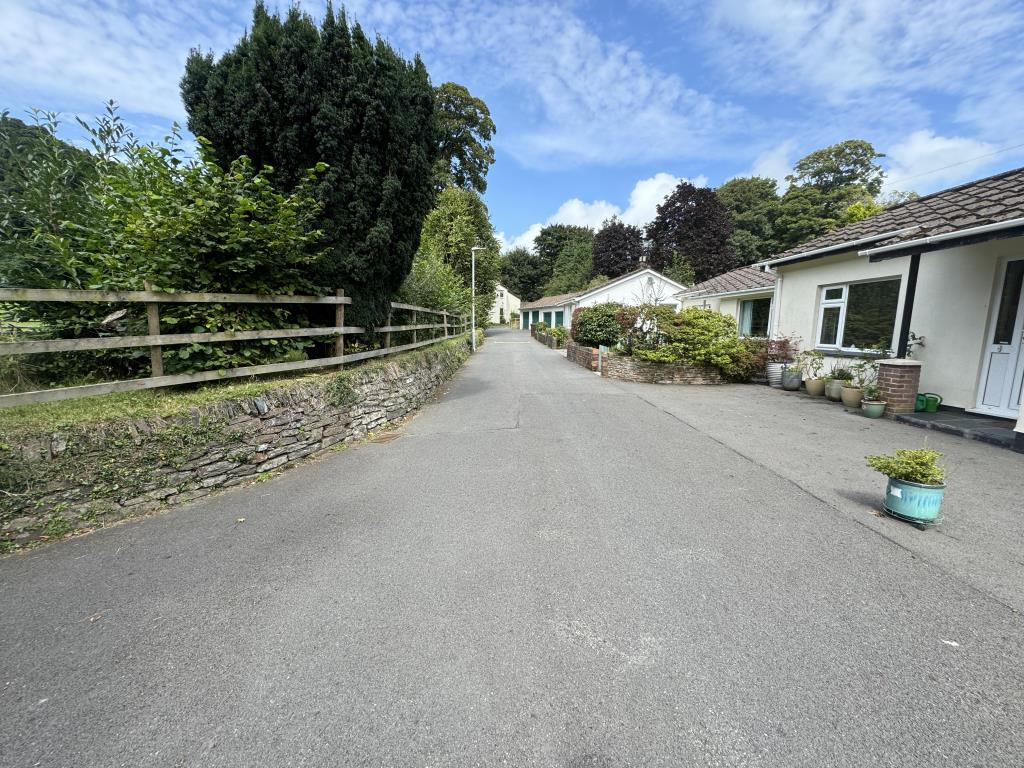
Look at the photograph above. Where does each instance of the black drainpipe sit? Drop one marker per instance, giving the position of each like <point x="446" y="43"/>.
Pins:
<point x="908" y="305"/>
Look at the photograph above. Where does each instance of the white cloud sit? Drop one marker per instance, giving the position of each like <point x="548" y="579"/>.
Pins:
<point x="925" y="159"/>
<point x="644" y="199"/>
<point x="775" y="163"/>
<point x="577" y="98"/>
<point x="75" y="55"/>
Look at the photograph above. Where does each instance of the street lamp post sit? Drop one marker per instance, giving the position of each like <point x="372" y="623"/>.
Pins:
<point x="472" y="310"/>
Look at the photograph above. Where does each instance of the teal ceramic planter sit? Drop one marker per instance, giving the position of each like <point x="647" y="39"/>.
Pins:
<point x="913" y="501"/>
<point x="873" y="410"/>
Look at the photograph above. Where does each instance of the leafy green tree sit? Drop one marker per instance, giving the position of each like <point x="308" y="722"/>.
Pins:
<point x="692" y="226"/>
<point x="434" y="283"/>
<point x="553" y="239"/>
<point x="464" y="128"/>
<point x="754" y="204"/>
<point x="572" y="268"/>
<point x="618" y="248"/>
<point x="840" y="166"/>
<point x="457" y="223"/>
<point x="525" y="273"/>
<point x="804" y="213"/>
<point x="290" y="95"/>
<point x="143" y="214"/>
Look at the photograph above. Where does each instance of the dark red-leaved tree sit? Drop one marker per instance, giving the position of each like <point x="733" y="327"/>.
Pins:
<point x="692" y="229"/>
<point x="618" y="248"/>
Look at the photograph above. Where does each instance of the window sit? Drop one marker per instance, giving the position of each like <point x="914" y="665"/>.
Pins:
<point x="859" y="315"/>
<point x="754" y="317"/>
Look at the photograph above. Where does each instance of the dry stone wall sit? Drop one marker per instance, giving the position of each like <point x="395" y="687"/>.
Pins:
<point x="85" y="477"/>
<point x="634" y="369"/>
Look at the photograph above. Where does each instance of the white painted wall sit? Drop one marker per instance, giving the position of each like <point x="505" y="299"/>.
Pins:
<point x="636" y="290"/>
<point x="727" y="305"/>
<point x="503" y="300"/>
<point x="955" y="290"/>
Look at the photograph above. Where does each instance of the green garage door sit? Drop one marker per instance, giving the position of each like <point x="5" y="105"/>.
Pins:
<point x="559" y="319"/>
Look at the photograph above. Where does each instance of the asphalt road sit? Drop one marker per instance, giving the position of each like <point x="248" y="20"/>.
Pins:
<point x="543" y="569"/>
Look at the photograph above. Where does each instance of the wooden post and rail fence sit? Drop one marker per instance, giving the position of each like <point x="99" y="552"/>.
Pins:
<point x="451" y="325"/>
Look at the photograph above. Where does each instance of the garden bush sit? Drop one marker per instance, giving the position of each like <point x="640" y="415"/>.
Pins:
<point x="127" y="214"/>
<point x="597" y="325"/>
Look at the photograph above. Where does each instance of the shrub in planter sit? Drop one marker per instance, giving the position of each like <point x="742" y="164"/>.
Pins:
<point x="792" y="377"/>
<point x="873" y="405"/>
<point x="811" y="362"/>
<point x="781" y="352"/>
<point x="559" y="334"/>
<point x="864" y="373"/>
<point x="916" y="483"/>
<point x="597" y="325"/>
<point x="834" y="381"/>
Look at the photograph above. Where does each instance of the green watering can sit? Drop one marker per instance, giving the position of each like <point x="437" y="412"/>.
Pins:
<point x="928" y="402"/>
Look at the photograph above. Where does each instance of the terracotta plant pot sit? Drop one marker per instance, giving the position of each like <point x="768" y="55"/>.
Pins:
<point x="815" y="387"/>
<point x="873" y="409"/>
<point x="834" y="389"/>
<point x="852" y="396"/>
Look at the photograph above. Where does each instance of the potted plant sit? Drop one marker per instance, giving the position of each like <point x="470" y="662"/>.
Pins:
<point x="863" y="373"/>
<point x="792" y="377"/>
<point x="780" y="355"/>
<point x="873" y="405"/>
<point x="811" y="363"/>
<point x="916" y="484"/>
<point x="834" y="381"/>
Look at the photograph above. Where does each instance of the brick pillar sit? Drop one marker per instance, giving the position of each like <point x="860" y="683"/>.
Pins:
<point x="899" y="380"/>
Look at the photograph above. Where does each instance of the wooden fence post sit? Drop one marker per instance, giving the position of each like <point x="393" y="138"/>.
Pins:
<point x="387" y="334"/>
<point x="414" y="330"/>
<point x="339" y="320"/>
<point x="156" y="353"/>
<point x="444" y="319"/>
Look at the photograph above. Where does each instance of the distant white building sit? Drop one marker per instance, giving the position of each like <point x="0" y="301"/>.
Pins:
<point x="505" y="303"/>
<point x="644" y="286"/>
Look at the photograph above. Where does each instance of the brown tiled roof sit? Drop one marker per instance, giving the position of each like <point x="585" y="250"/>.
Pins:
<point x="742" y="279"/>
<point x="986" y="201"/>
<point x="550" y="301"/>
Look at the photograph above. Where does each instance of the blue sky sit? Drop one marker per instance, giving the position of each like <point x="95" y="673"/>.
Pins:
<point x="602" y="107"/>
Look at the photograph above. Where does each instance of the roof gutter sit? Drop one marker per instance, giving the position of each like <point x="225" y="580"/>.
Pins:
<point x="838" y="247"/>
<point x="717" y="294"/>
<point x="933" y="239"/>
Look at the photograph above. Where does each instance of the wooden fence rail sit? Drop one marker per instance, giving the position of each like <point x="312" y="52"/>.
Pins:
<point x="450" y="324"/>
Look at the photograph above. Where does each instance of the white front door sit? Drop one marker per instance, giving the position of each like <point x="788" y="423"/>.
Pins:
<point x="1002" y="373"/>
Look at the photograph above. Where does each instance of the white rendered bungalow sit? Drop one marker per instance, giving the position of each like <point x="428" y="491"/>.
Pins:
<point x="948" y="267"/>
<point x="745" y="294"/>
<point x="643" y="286"/>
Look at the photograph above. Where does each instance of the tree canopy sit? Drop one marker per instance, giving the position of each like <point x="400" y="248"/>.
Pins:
<point x="457" y="223"/>
<point x="753" y="202"/>
<point x="840" y="166"/>
<point x="464" y="130"/>
<point x="618" y="248"/>
<point x="291" y="95"/>
<point x="524" y="272"/>
<point x="692" y="227"/>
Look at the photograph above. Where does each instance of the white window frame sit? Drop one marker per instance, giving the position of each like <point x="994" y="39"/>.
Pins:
<point x="739" y="319"/>
<point x="841" y="303"/>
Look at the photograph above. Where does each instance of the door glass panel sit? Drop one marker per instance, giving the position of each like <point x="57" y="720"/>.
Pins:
<point x="829" y="326"/>
<point x="1009" y="302"/>
<point x="871" y="315"/>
